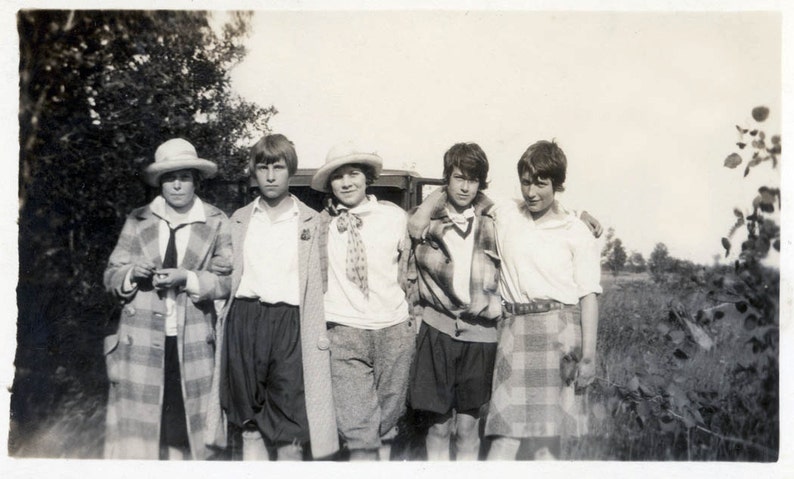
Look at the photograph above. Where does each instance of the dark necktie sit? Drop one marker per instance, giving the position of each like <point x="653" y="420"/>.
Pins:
<point x="170" y="259"/>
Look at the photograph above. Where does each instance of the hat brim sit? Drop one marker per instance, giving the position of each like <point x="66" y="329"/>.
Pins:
<point x="320" y="178"/>
<point x="153" y="172"/>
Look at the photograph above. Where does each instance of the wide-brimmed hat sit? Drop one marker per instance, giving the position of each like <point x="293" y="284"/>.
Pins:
<point x="344" y="154"/>
<point x="177" y="154"/>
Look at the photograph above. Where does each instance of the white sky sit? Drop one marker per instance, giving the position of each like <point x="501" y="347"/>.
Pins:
<point x="643" y="104"/>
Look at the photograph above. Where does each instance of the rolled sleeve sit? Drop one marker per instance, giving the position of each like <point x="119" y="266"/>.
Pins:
<point x="587" y="266"/>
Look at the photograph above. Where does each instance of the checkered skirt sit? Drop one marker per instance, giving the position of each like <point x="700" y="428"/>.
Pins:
<point x="529" y="398"/>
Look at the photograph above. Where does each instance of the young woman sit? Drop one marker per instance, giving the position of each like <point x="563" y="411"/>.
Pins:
<point x="457" y="276"/>
<point x="372" y="337"/>
<point x="172" y="260"/>
<point x="275" y="372"/>
<point x="550" y="277"/>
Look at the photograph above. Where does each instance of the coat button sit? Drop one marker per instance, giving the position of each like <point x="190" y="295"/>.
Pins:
<point x="323" y="343"/>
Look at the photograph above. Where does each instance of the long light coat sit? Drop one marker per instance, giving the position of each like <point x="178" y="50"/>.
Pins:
<point x="314" y="339"/>
<point x="135" y="354"/>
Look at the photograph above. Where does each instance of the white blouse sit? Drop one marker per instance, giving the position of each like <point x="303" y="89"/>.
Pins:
<point x="555" y="259"/>
<point x="383" y="228"/>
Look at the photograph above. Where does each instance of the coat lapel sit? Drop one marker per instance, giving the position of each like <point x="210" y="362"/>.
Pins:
<point x="149" y="236"/>
<point x="306" y="237"/>
<point x="240" y="221"/>
<point x="201" y="239"/>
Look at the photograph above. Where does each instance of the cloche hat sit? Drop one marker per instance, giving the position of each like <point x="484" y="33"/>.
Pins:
<point x="177" y="154"/>
<point x="344" y="154"/>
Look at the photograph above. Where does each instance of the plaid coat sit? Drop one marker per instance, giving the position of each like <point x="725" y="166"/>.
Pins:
<point x="432" y="270"/>
<point x="135" y="354"/>
<point x="314" y="338"/>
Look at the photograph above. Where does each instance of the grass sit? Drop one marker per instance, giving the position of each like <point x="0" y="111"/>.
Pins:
<point x="659" y="395"/>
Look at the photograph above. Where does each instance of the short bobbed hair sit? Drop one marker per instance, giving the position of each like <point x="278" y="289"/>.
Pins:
<point x="369" y="173"/>
<point x="470" y="160"/>
<point x="544" y="159"/>
<point x="270" y="149"/>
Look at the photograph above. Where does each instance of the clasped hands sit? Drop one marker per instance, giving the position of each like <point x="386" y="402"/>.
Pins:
<point x="162" y="278"/>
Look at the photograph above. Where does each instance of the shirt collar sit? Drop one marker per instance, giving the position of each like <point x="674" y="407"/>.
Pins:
<point x="287" y="215"/>
<point x="194" y="215"/>
<point x="467" y="213"/>
<point x="561" y="216"/>
<point x="363" y="207"/>
<point x="481" y="205"/>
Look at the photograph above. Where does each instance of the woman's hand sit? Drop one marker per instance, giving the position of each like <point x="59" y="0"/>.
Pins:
<point x="169" y="278"/>
<point x="592" y="223"/>
<point x="141" y="271"/>
<point x="586" y="373"/>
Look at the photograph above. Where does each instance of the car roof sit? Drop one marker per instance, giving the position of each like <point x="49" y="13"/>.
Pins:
<point x="388" y="178"/>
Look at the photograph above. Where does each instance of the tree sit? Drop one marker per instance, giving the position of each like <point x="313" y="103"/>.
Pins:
<point x="613" y="256"/>
<point x="617" y="259"/>
<point x="637" y="262"/>
<point x="659" y="262"/>
<point x="99" y="90"/>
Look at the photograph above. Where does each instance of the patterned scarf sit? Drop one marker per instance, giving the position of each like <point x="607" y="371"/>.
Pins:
<point x="356" y="260"/>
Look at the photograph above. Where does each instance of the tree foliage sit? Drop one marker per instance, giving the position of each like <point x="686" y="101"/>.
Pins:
<point x="763" y="232"/>
<point x="753" y="283"/>
<point x="99" y="90"/>
<point x="659" y="262"/>
<point x="636" y="262"/>
<point x="614" y="255"/>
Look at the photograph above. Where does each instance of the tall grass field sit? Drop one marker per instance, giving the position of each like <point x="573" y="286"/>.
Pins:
<point x="685" y="372"/>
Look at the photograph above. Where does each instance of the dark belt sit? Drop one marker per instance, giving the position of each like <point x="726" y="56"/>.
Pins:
<point x="541" y="306"/>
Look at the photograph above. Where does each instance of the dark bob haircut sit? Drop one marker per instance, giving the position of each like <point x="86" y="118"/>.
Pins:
<point x="544" y="159"/>
<point x="470" y="160"/>
<point x="270" y="149"/>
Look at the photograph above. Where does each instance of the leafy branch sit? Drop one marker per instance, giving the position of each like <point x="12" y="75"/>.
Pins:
<point x="690" y="419"/>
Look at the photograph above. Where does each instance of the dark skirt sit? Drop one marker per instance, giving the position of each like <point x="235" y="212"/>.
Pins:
<point x="450" y="374"/>
<point x="263" y="371"/>
<point x="173" y="426"/>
